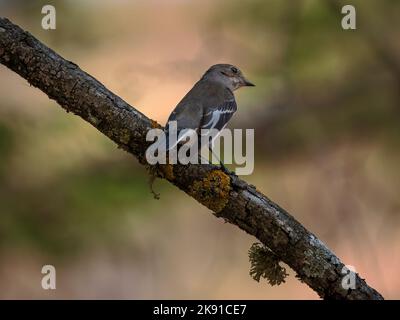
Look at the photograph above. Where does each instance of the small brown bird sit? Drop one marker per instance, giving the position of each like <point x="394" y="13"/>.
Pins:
<point x="210" y="104"/>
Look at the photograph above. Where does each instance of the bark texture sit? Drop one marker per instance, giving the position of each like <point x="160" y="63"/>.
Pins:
<point x="226" y="195"/>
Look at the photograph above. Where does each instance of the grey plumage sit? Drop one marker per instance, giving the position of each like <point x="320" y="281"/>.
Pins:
<point x="210" y="104"/>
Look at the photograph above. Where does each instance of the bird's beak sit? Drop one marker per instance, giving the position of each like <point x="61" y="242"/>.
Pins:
<point x="247" y="83"/>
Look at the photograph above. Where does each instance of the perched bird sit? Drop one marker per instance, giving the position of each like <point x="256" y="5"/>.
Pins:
<point x="210" y="104"/>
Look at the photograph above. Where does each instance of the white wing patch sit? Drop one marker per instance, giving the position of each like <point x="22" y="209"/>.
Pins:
<point x="217" y="118"/>
<point x="215" y="115"/>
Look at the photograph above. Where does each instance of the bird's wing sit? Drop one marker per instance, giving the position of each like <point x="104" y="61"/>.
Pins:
<point x="208" y="105"/>
<point x="218" y="117"/>
<point x="187" y="117"/>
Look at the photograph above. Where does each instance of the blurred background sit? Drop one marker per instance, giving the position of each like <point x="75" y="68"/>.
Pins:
<point x="325" y="110"/>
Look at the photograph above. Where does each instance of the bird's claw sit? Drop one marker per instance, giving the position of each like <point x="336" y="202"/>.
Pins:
<point x="225" y="169"/>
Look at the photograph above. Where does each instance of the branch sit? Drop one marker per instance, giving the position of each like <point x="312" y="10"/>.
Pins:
<point x="227" y="196"/>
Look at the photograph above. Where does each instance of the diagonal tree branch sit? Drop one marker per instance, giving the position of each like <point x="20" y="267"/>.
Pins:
<point x="227" y="196"/>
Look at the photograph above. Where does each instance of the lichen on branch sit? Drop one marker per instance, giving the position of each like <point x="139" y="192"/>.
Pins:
<point x="265" y="264"/>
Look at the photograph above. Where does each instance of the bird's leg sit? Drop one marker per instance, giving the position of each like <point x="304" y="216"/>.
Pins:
<point x="223" y="168"/>
<point x="206" y="161"/>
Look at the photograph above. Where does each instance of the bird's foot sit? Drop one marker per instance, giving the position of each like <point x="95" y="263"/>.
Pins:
<point x="225" y="169"/>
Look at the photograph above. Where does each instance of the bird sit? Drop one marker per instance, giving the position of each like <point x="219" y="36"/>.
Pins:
<point x="210" y="104"/>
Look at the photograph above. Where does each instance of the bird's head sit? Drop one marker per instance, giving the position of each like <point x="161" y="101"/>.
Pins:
<point x="228" y="75"/>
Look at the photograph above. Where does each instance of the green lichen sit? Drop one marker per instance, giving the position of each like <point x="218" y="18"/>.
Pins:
<point x="212" y="191"/>
<point x="317" y="268"/>
<point x="124" y="136"/>
<point x="153" y="174"/>
<point x="265" y="264"/>
<point x="165" y="171"/>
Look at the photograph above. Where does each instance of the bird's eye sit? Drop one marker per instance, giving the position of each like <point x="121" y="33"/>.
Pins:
<point x="234" y="70"/>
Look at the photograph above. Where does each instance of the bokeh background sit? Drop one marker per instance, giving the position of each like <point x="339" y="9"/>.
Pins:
<point x="326" y="115"/>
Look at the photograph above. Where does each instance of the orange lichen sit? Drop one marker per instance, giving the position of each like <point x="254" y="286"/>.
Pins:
<point x="167" y="171"/>
<point x="212" y="191"/>
<point x="154" y="124"/>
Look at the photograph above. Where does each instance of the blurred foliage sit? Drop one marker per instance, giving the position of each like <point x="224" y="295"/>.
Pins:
<point x="331" y="84"/>
<point x="64" y="187"/>
<point x="77" y="27"/>
<point x="325" y="83"/>
<point x="5" y="146"/>
<point x="63" y="208"/>
<point x="60" y="215"/>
